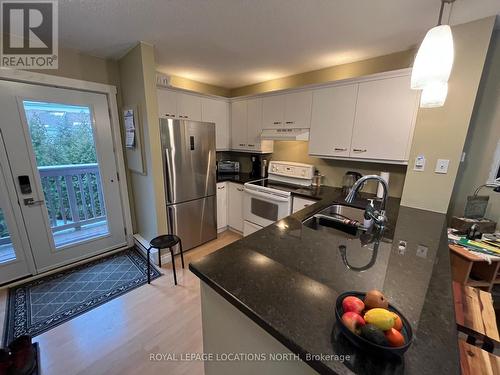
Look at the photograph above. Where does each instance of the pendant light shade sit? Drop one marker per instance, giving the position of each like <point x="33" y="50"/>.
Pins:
<point x="434" y="59"/>
<point x="434" y="95"/>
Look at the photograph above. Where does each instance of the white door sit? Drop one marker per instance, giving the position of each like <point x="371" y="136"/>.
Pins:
<point x="221" y="205"/>
<point x="167" y="103"/>
<point x="254" y="123"/>
<point x="189" y="106"/>
<point x="60" y="147"/>
<point x="332" y="120"/>
<point x="385" y="117"/>
<point x="239" y="125"/>
<point x="273" y="111"/>
<point x="298" y="110"/>
<point x="235" y="206"/>
<point x="14" y="247"/>
<point x="217" y="111"/>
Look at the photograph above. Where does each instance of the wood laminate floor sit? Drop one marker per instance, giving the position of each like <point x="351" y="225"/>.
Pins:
<point x="119" y="336"/>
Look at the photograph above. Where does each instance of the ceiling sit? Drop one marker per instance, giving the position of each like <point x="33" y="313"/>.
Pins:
<point x="233" y="43"/>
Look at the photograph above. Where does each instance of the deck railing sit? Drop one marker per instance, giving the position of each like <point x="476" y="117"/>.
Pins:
<point x="73" y="195"/>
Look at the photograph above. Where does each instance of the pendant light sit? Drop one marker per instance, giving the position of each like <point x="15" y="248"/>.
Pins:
<point x="433" y="63"/>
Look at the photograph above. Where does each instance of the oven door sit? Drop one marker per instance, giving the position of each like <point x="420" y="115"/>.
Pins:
<point x="263" y="208"/>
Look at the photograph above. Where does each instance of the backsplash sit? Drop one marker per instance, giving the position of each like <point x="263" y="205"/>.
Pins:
<point x="333" y="170"/>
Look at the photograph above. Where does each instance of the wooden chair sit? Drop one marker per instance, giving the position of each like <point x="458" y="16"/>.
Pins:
<point x="475" y="316"/>
<point x="474" y="360"/>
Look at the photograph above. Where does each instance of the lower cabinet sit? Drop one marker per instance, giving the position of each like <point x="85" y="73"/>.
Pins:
<point x="235" y="206"/>
<point x="301" y="203"/>
<point x="221" y="205"/>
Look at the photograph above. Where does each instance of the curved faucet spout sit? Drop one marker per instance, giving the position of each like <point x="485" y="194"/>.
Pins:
<point x="357" y="186"/>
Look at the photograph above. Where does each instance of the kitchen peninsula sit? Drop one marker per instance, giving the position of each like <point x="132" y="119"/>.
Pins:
<point x="275" y="291"/>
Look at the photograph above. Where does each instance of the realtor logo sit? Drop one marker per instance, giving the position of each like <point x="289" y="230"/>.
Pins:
<point x="29" y="34"/>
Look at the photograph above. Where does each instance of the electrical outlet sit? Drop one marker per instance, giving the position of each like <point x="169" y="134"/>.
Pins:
<point x="442" y="166"/>
<point x="422" y="251"/>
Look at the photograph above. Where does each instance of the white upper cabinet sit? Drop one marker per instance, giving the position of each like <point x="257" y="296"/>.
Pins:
<point x="167" y="103"/>
<point x="332" y="120"/>
<point x="385" y="117"/>
<point x="246" y="127"/>
<point x="217" y="111"/>
<point x="239" y="125"/>
<point x="287" y="110"/>
<point x="273" y="112"/>
<point x="254" y="123"/>
<point x="298" y="110"/>
<point x="189" y="106"/>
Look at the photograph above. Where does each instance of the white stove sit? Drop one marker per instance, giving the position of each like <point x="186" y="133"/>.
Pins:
<point x="269" y="200"/>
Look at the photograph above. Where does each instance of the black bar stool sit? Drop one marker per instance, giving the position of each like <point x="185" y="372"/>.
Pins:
<point x="162" y="242"/>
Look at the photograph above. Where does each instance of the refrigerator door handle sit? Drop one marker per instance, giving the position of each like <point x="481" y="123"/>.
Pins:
<point x="168" y="177"/>
<point x="171" y="222"/>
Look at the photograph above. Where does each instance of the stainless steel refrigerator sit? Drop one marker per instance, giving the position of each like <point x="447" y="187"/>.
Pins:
<point x="188" y="150"/>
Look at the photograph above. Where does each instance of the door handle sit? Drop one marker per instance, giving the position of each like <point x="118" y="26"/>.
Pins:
<point x="168" y="182"/>
<point x="31" y="202"/>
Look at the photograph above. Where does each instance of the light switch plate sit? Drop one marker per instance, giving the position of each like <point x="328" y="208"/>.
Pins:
<point x="442" y="166"/>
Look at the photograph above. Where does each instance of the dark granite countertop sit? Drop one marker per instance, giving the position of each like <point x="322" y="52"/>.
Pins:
<point x="286" y="278"/>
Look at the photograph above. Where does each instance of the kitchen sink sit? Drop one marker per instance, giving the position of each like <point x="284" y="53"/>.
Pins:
<point x="337" y="217"/>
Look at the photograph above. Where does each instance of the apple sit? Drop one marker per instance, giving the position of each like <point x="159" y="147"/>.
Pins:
<point x="353" y="321"/>
<point x="354" y="304"/>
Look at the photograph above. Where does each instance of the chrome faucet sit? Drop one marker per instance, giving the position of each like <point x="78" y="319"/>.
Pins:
<point x="378" y="217"/>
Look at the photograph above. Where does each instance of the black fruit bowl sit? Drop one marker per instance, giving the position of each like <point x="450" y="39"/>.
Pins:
<point x="365" y="344"/>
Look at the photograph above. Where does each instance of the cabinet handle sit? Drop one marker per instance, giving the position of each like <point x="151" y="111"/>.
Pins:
<point x="340" y="149"/>
<point x="242" y="145"/>
<point x="251" y="145"/>
<point x="220" y="188"/>
<point x="290" y="122"/>
<point x="359" y="150"/>
<point x="277" y="122"/>
<point x="239" y="189"/>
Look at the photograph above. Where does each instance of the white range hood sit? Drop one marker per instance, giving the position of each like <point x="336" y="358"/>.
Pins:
<point x="285" y="134"/>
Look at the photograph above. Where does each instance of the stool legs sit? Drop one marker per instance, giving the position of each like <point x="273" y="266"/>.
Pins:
<point x="149" y="267"/>
<point x="159" y="258"/>
<point x="173" y="265"/>
<point x="182" y="255"/>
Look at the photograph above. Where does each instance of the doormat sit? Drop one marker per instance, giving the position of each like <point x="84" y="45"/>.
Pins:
<point x="38" y="306"/>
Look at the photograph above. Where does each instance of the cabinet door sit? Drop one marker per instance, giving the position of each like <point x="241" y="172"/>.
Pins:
<point x="235" y="206"/>
<point x="217" y="111"/>
<point x="189" y="106"/>
<point x="167" y="103"/>
<point x="385" y="117"/>
<point x="239" y="125"/>
<point x="332" y="120"/>
<point x="298" y="110"/>
<point x="273" y="109"/>
<point x="221" y="205"/>
<point x="254" y="123"/>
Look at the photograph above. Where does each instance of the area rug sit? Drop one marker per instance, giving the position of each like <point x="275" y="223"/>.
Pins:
<point x="37" y="306"/>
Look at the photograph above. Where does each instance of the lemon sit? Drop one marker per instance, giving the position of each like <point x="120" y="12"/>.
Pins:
<point x="380" y="318"/>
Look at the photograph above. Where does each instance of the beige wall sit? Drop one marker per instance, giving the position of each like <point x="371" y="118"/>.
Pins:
<point x="440" y="132"/>
<point x="393" y="61"/>
<point x="137" y="72"/>
<point x="73" y="64"/>
<point x="482" y="139"/>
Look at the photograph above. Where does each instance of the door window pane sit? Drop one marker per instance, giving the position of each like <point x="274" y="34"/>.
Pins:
<point x="7" y="253"/>
<point x="63" y="143"/>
